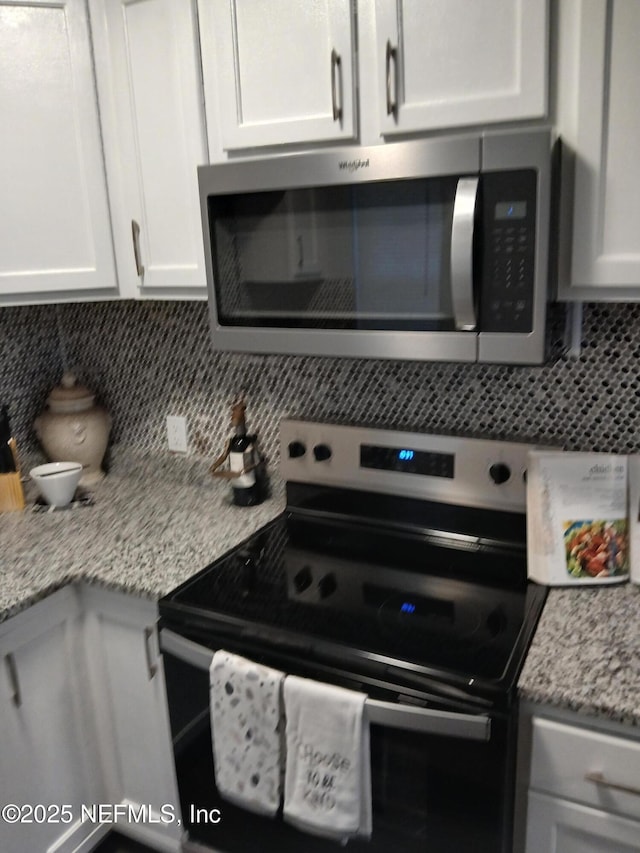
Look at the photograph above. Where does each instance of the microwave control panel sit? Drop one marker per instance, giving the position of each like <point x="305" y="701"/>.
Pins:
<point x="508" y="251"/>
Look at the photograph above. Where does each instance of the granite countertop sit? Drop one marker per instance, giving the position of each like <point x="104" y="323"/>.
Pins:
<point x="585" y="655"/>
<point x="156" y="520"/>
<point x="159" y="519"/>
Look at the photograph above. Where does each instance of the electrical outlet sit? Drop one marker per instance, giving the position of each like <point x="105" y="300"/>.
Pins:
<point x="177" y="433"/>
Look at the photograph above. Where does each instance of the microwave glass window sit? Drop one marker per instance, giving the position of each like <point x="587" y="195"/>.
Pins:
<point x="369" y="256"/>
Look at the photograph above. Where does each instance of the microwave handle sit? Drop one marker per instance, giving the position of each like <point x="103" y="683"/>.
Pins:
<point x="388" y="714"/>
<point x="464" y="208"/>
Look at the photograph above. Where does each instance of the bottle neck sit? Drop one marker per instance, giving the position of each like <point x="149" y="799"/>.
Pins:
<point x="238" y="421"/>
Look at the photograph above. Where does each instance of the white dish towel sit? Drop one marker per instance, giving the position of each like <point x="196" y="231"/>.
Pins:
<point x="327" y="788"/>
<point x="247" y="730"/>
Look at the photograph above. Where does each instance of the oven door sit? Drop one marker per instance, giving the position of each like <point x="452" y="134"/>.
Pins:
<point x="441" y="778"/>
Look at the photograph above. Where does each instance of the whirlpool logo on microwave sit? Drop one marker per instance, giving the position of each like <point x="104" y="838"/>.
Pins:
<point x="353" y="165"/>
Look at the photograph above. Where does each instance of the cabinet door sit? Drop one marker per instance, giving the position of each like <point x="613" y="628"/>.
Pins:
<point x="129" y="700"/>
<point x="54" y="217"/>
<point x="150" y="93"/>
<point x="599" y="120"/>
<point x="560" y="826"/>
<point x="47" y="752"/>
<point x="279" y="71"/>
<point x="454" y="63"/>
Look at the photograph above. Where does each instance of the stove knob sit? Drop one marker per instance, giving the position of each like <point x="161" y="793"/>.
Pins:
<point x="296" y="449"/>
<point x="499" y="473"/>
<point x="322" y="452"/>
<point x="327" y="585"/>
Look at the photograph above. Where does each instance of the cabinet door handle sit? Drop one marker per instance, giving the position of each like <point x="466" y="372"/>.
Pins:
<point x="152" y="667"/>
<point x="336" y="69"/>
<point x="599" y="779"/>
<point x="300" y="252"/>
<point x="12" y="672"/>
<point x="392" y="102"/>
<point x="135" y="234"/>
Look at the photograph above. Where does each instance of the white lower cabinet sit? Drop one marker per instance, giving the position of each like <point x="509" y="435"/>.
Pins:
<point x="85" y="743"/>
<point x="560" y="826"/>
<point x="126" y="679"/>
<point x="48" y="755"/>
<point x="583" y="787"/>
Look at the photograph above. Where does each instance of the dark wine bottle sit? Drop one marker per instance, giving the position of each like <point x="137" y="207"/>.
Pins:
<point x="244" y="461"/>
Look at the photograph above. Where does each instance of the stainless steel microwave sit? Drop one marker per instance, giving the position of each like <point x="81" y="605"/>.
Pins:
<point x="430" y="250"/>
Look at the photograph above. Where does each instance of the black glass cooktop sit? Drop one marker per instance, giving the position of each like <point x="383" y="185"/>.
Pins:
<point x="424" y="602"/>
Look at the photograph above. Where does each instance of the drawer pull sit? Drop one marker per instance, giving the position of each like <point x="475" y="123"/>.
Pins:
<point x="599" y="779"/>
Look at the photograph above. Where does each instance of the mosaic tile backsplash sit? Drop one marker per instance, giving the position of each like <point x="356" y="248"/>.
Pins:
<point x="146" y="360"/>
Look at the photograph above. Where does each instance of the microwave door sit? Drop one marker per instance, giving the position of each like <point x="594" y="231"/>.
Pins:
<point x="379" y="269"/>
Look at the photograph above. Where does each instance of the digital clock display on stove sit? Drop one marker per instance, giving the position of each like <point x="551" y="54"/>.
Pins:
<point x="407" y="460"/>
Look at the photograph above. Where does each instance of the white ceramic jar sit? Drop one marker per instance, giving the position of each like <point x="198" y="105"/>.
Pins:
<point x="74" y="429"/>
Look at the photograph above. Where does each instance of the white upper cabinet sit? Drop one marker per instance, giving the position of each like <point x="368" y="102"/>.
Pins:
<point x="599" y="120"/>
<point x="54" y="216"/>
<point x="278" y="71"/>
<point x="151" y="104"/>
<point x="282" y="71"/>
<point x="451" y="63"/>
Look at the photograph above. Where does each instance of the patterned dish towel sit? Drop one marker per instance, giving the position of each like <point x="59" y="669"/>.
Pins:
<point x="327" y="788"/>
<point x="246" y="725"/>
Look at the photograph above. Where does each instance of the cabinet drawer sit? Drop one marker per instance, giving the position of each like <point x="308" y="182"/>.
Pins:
<point x="565" y="757"/>
<point x="558" y="826"/>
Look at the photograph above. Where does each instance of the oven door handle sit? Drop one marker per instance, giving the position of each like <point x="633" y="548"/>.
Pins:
<point x="388" y="714"/>
<point x="428" y="721"/>
<point x="185" y="650"/>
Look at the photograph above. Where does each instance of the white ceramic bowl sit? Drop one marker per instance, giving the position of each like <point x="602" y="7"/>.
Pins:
<point x="57" y="481"/>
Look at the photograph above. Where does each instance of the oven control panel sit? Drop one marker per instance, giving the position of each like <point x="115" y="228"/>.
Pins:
<point x="452" y="469"/>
